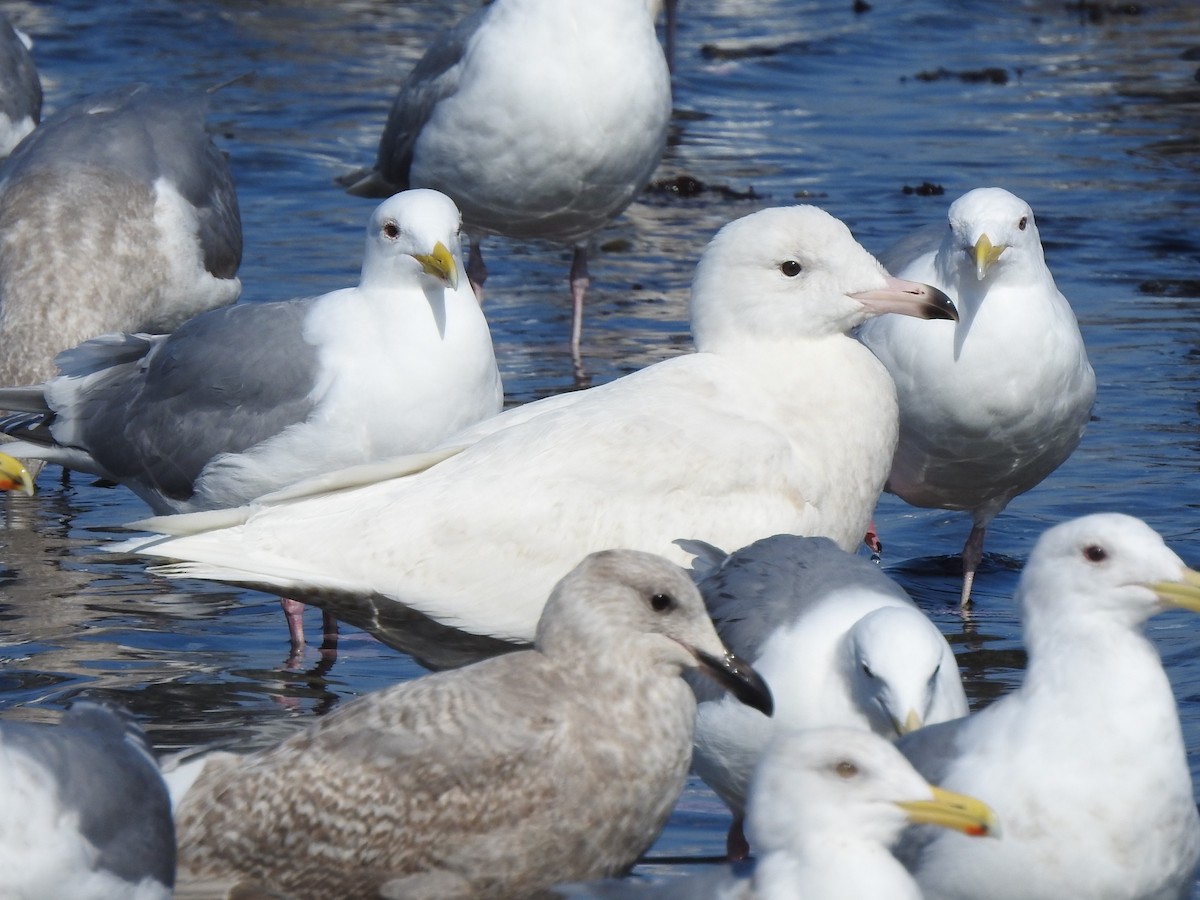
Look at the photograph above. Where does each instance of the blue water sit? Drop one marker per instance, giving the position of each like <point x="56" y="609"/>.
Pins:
<point x="1094" y="119"/>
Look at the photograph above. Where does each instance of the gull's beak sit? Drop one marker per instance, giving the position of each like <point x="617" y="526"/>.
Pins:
<point x="1184" y="593"/>
<point x="439" y="264"/>
<point x="14" y="476"/>
<point x="985" y="255"/>
<point x="739" y="679"/>
<point x="910" y="724"/>
<point x="948" y="809"/>
<point x="908" y="298"/>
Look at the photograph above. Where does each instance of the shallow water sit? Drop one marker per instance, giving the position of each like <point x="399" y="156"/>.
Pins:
<point x="1092" y="114"/>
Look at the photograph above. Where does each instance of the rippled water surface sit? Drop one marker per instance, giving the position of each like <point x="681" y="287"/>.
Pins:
<point x="1089" y="111"/>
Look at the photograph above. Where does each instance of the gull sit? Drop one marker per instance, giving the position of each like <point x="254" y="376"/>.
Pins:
<point x="992" y="404"/>
<point x="20" y="87"/>
<point x="826" y="805"/>
<point x="499" y="779"/>
<point x="241" y="401"/>
<point x="89" y="815"/>
<point x="840" y="643"/>
<point x="779" y="422"/>
<point x="117" y="213"/>
<point x="1084" y="763"/>
<point x="541" y="118"/>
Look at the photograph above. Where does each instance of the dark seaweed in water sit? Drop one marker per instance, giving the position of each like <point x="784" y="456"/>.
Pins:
<point x="689" y="186"/>
<point x="991" y="75"/>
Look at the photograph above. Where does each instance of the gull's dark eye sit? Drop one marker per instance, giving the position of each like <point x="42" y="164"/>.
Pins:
<point x="867" y="671"/>
<point x="790" y="268"/>
<point x="1094" y="553"/>
<point x="1024" y="221"/>
<point x="391" y="230"/>
<point x="846" y="769"/>
<point x="661" y="602"/>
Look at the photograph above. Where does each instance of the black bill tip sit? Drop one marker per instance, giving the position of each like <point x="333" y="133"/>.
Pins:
<point x="939" y="305"/>
<point x="737" y="677"/>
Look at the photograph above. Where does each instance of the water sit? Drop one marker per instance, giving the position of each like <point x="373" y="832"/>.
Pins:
<point x="1095" y="121"/>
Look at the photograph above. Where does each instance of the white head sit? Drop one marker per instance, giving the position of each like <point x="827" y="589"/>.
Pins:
<point x="992" y="234"/>
<point x="901" y="672"/>
<point x="823" y="786"/>
<point x="795" y="272"/>
<point x="413" y="239"/>
<point x="1107" y="567"/>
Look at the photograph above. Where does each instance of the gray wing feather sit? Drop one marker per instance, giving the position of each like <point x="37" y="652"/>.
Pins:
<point x="774" y="581"/>
<point x="105" y="770"/>
<point x="223" y="382"/>
<point x="29" y="399"/>
<point x="933" y="749"/>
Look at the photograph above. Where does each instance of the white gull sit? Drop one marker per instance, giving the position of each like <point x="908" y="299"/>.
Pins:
<point x="242" y="401"/>
<point x="826" y="806"/>
<point x="541" y="118"/>
<point x="779" y="422"/>
<point x="992" y="404"/>
<point x="1084" y="763"/>
<point x="840" y="644"/>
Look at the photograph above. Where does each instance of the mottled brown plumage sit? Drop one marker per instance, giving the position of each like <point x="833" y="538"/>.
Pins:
<point x="496" y="780"/>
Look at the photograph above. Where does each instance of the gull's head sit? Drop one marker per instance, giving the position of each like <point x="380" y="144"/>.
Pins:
<point x="635" y="606"/>
<point x="413" y="239"/>
<point x="894" y="659"/>
<point x="991" y="231"/>
<point x="1108" y="565"/>
<point x="795" y="272"/>
<point x="838" y="784"/>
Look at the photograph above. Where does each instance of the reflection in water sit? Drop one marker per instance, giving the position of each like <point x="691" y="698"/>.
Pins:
<point x="1096" y="125"/>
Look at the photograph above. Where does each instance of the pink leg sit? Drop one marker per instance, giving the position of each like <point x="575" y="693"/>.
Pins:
<point x="579" y="286"/>
<point x="293" y="611"/>
<point x="476" y="270"/>
<point x="972" y="554"/>
<point x="871" y="539"/>
<point x="737" y="848"/>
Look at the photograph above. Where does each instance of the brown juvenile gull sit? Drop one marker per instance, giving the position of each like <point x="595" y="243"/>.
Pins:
<point x="541" y="118"/>
<point x="779" y="422"/>
<point x="993" y="403"/>
<point x="117" y="213"/>
<point x="87" y="816"/>
<point x="500" y="779"/>
<point x="1085" y="762"/>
